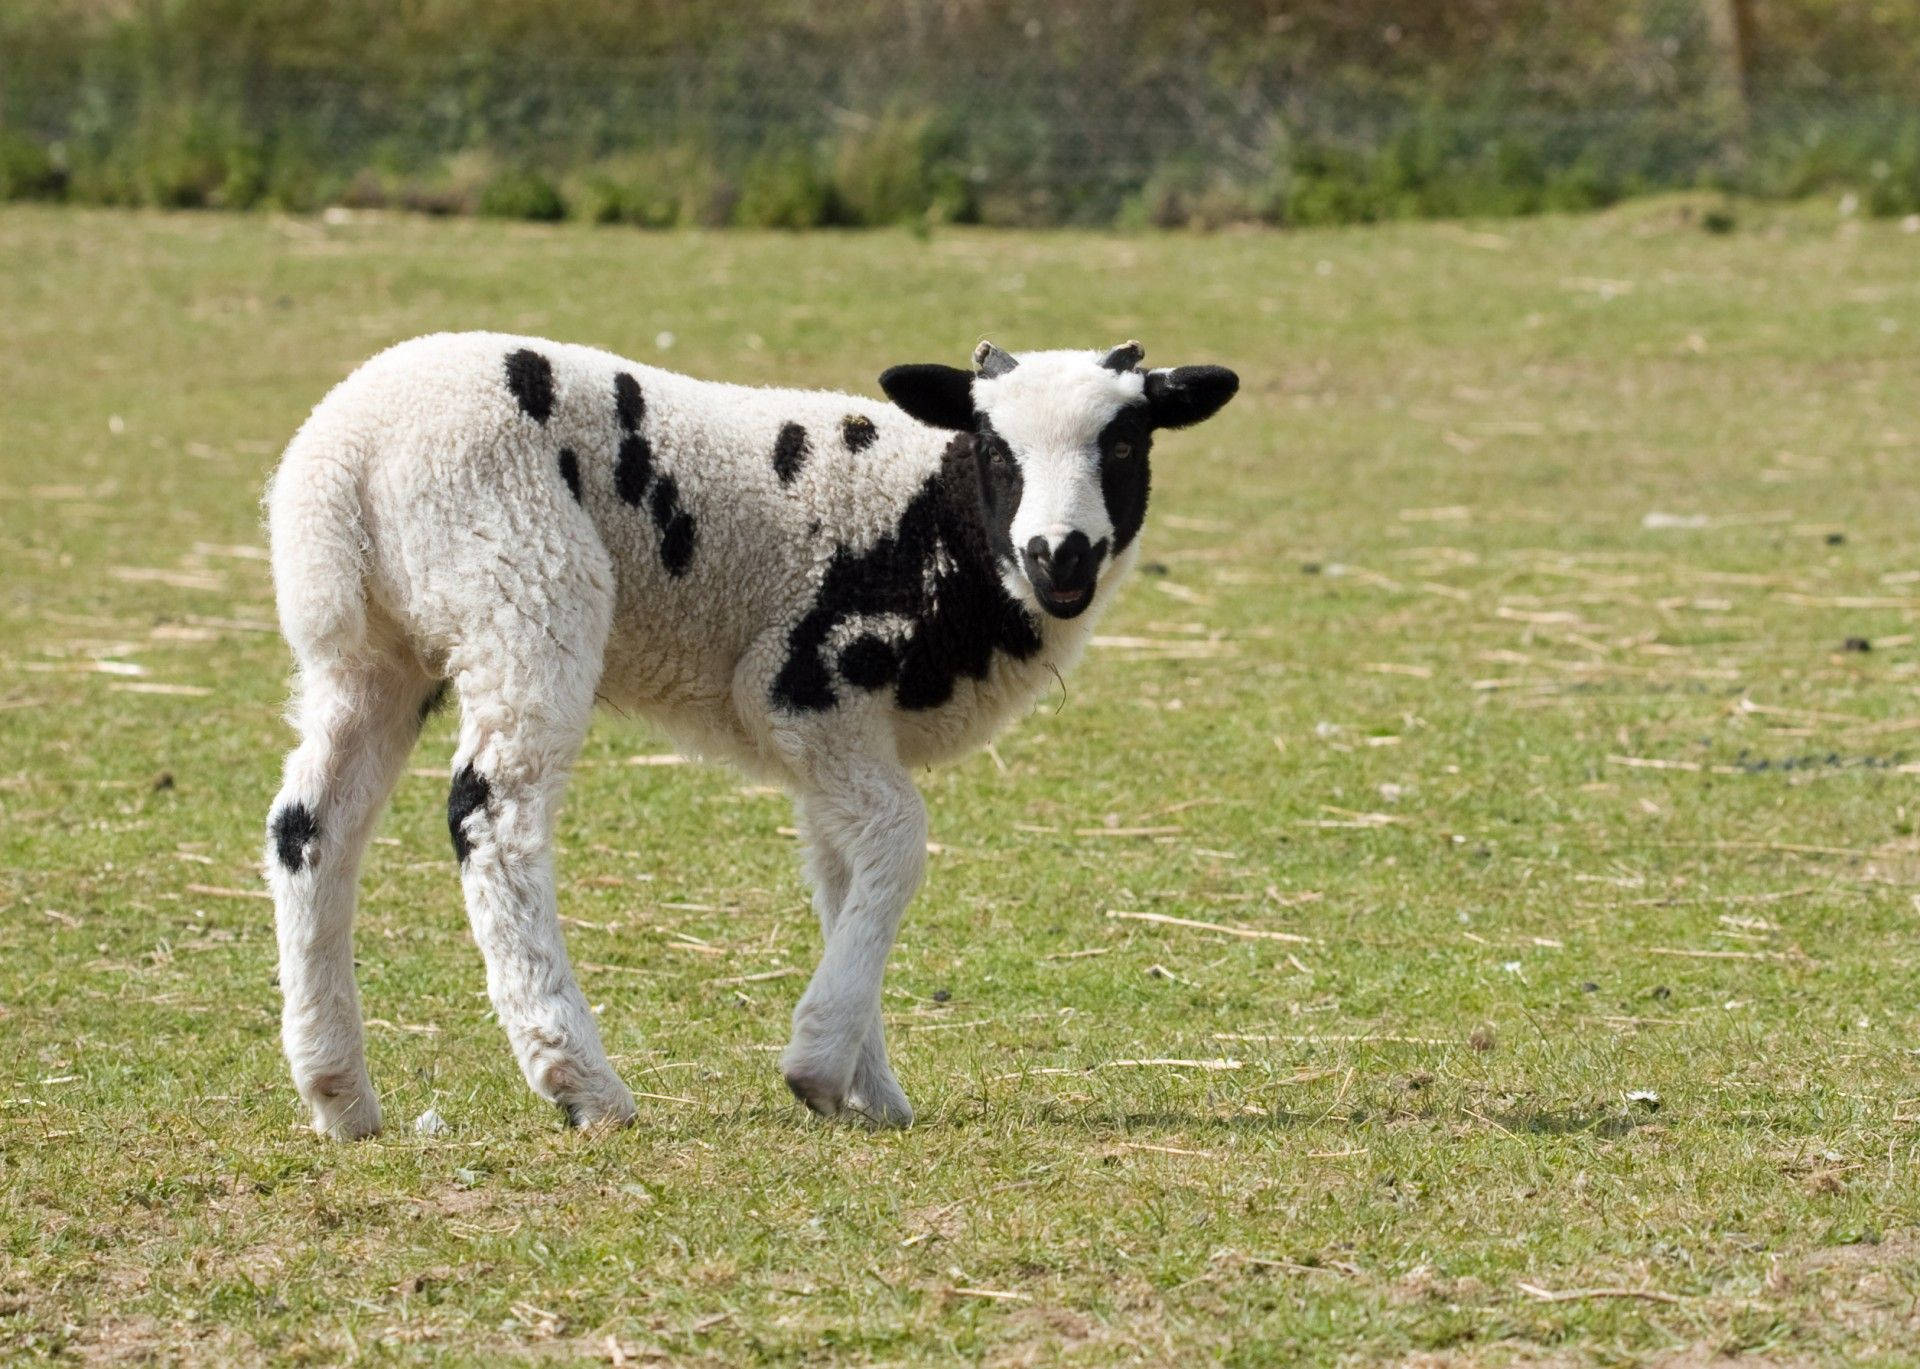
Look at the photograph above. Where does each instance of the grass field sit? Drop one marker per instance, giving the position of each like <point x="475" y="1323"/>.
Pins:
<point x="1493" y="643"/>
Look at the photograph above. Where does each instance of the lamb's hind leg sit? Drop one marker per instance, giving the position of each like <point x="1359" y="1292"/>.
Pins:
<point x="867" y="814"/>
<point x="510" y="773"/>
<point x="875" y="1092"/>
<point x="357" y="721"/>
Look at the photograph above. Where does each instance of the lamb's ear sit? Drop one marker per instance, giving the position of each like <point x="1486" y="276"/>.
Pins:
<point x="1185" y="395"/>
<point x="939" y="396"/>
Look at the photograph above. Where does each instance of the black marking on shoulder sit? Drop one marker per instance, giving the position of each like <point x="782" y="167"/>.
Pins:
<point x="858" y="432"/>
<point x="530" y="377"/>
<point x="937" y="569"/>
<point x="468" y="796"/>
<point x="789" y="452"/>
<point x="868" y="662"/>
<point x="434" y="702"/>
<point x="633" y="468"/>
<point x="294" y="830"/>
<point x="629" y="405"/>
<point x="570" y="472"/>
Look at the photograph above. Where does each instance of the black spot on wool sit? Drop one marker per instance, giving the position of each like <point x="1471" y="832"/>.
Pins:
<point x="868" y="662"/>
<point x="294" y="830"/>
<point x="858" y="432"/>
<point x="636" y="481"/>
<point x="468" y="796"/>
<point x="938" y="569"/>
<point x="676" y="544"/>
<point x="629" y="406"/>
<point x="570" y="472"/>
<point x="675" y="525"/>
<point x="666" y="502"/>
<point x="789" y="452"/>
<point x="530" y="377"/>
<point x="633" y="469"/>
<point x="574" y="1115"/>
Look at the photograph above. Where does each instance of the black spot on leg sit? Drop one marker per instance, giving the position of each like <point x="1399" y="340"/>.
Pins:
<point x="676" y="544"/>
<point x="294" y="830"/>
<point x="570" y="472"/>
<point x="633" y="469"/>
<point x="868" y="662"/>
<point x="858" y="432"/>
<point x="530" y="377"/>
<point x="790" y="452"/>
<point x="629" y="406"/>
<point x="468" y="796"/>
<point x="575" y="1118"/>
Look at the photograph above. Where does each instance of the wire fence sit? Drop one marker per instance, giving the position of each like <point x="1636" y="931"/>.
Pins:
<point x="797" y="133"/>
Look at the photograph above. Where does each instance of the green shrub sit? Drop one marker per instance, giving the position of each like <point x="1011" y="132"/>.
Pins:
<point x="1191" y="194"/>
<point x="29" y="171"/>
<point x="1895" y="178"/>
<point x="596" y="198"/>
<point x="518" y="194"/>
<point x="1329" y="185"/>
<point x="180" y="159"/>
<point x="783" y="190"/>
<point x="901" y="167"/>
<point x="655" y="187"/>
<point x="1587" y="184"/>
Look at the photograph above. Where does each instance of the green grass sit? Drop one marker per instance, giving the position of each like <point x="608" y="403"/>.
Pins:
<point x="1404" y="625"/>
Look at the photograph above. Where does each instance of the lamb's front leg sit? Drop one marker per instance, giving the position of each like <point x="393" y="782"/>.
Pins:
<point x="875" y="1092"/>
<point x="865" y="823"/>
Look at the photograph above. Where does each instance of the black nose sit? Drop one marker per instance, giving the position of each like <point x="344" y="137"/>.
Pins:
<point x="1065" y="564"/>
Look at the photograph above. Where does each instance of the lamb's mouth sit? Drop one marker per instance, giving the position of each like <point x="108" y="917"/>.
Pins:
<point x="1064" y="603"/>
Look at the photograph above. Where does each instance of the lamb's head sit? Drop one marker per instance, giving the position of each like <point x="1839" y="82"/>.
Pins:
<point x="1060" y="442"/>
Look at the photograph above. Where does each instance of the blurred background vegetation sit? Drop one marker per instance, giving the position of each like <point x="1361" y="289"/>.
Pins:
<point x="796" y="113"/>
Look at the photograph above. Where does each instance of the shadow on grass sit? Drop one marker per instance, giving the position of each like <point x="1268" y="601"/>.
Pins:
<point x="1123" y="1125"/>
<point x="1570" y="1122"/>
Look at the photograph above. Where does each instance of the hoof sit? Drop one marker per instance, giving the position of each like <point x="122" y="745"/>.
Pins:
<point x="893" y="1112"/>
<point x="607" y="1109"/>
<point x="819" y="1095"/>
<point x="350" y="1115"/>
<point x="879" y="1107"/>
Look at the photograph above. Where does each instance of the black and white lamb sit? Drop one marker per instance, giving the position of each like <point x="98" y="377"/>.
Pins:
<point x="826" y="590"/>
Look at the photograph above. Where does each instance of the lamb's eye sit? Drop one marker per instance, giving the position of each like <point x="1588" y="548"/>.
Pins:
<point x="1122" y="450"/>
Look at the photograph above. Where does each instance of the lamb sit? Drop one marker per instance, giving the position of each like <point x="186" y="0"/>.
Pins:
<point x="821" y="588"/>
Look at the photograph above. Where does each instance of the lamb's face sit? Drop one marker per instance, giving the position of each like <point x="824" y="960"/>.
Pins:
<point x="1061" y="440"/>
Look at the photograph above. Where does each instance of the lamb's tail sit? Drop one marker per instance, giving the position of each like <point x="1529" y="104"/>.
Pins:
<point x="319" y="547"/>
